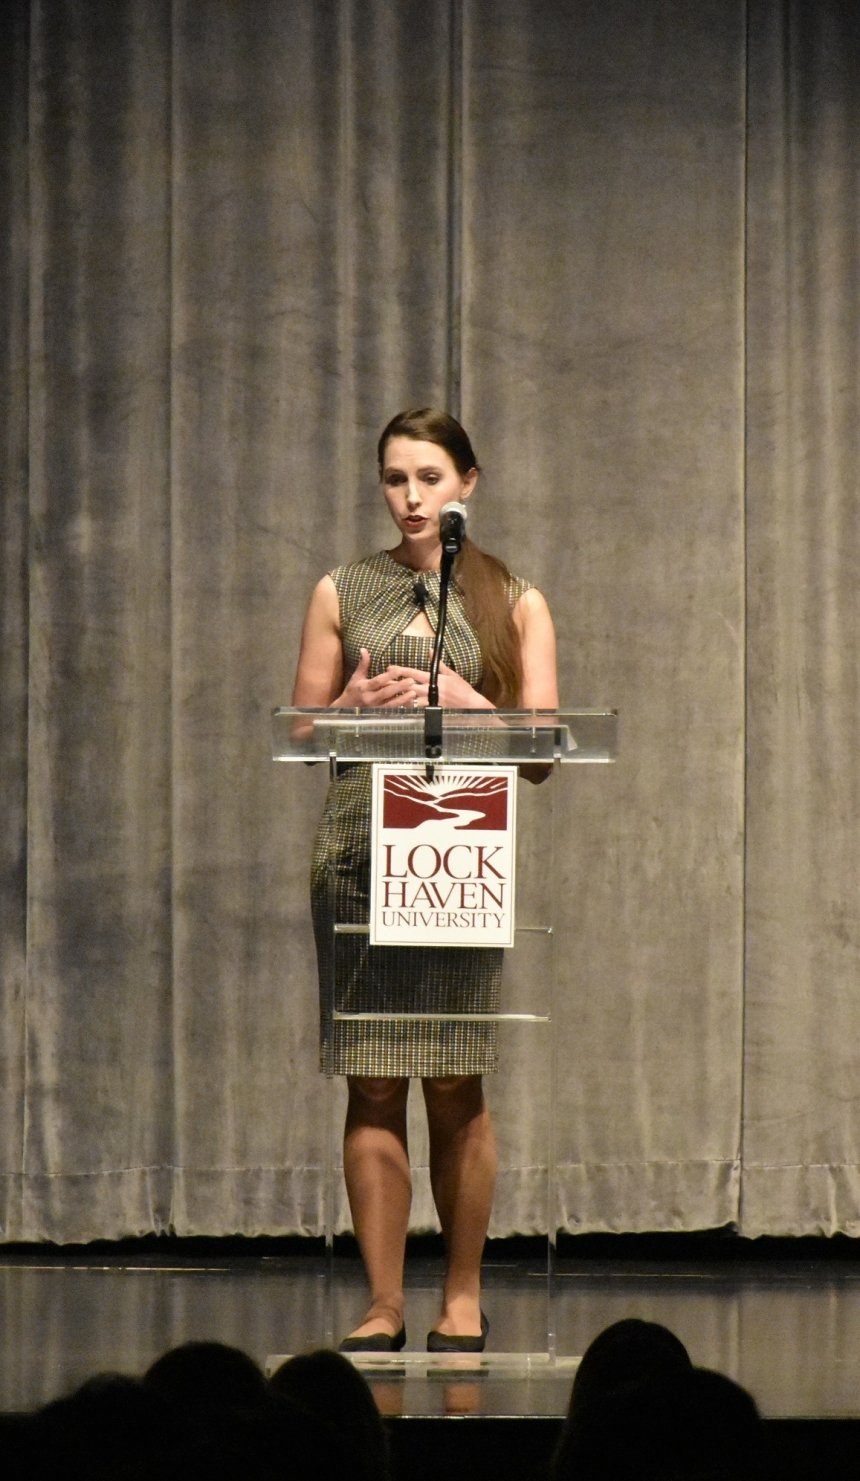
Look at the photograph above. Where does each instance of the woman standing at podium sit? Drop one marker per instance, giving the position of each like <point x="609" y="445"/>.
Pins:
<point x="366" y="643"/>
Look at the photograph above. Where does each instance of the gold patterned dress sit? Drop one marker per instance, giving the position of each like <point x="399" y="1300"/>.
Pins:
<point x="377" y="601"/>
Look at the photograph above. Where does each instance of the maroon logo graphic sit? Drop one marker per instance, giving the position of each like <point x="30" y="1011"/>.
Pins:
<point x="409" y="802"/>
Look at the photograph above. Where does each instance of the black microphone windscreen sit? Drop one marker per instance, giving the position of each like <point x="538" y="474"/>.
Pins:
<point x="452" y="525"/>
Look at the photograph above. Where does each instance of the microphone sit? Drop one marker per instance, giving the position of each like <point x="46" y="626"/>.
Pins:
<point x="452" y="526"/>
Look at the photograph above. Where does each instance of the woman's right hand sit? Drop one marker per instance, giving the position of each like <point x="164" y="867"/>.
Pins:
<point x="392" y="689"/>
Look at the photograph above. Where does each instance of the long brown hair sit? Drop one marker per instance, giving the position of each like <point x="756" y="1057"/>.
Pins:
<point x="481" y="579"/>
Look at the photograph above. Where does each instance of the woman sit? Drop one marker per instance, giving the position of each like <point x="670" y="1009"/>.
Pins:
<point x="366" y="643"/>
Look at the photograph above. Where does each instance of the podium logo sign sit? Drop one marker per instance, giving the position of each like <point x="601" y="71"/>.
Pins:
<point x="443" y="857"/>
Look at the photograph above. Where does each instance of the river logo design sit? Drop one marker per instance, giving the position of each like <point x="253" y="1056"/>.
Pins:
<point x="464" y="801"/>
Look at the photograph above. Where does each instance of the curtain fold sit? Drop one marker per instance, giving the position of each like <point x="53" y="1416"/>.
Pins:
<point x="237" y="239"/>
<point x="14" y="590"/>
<point x="97" y="1145"/>
<point x="801" y="1143"/>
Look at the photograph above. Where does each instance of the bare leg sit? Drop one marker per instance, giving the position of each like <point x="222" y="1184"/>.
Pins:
<point x="379" y="1186"/>
<point x="463" y="1178"/>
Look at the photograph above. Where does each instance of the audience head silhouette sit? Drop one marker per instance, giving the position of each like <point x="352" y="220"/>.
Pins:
<point x="628" y="1350"/>
<point x="640" y="1411"/>
<point x="326" y="1383"/>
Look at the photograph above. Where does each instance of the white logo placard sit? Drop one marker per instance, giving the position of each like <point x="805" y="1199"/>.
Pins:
<point x="443" y="856"/>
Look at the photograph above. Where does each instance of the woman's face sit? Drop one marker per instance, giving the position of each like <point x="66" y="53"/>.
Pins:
<point x="418" y="479"/>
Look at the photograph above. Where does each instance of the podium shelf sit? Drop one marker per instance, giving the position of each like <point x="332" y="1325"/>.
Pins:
<point x="476" y="737"/>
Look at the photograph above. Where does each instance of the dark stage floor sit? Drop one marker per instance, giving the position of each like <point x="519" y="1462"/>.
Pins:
<point x="787" y="1329"/>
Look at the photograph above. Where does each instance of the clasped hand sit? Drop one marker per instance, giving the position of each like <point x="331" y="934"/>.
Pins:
<point x="399" y="687"/>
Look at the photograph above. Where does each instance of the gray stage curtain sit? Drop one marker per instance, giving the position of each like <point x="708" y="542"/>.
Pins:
<point x="803" y="558"/>
<point x="621" y="239"/>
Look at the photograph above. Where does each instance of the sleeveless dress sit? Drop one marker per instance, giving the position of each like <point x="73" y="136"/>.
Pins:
<point x="377" y="601"/>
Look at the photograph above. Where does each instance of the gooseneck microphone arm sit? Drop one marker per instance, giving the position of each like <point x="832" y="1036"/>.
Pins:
<point x="448" y="558"/>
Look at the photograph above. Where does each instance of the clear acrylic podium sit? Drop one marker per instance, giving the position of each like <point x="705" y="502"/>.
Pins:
<point x="523" y="1096"/>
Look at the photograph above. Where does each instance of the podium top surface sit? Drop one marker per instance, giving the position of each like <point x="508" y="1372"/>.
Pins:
<point x="479" y="737"/>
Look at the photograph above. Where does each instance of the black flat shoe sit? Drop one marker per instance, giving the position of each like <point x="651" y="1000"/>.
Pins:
<point x="443" y="1342"/>
<point x="375" y="1342"/>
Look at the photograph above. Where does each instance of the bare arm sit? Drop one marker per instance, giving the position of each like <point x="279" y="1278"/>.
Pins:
<point x="534" y="624"/>
<point x="537" y="646"/>
<point x="319" y="672"/>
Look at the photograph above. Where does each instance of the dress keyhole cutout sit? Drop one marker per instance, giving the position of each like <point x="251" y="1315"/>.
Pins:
<point x="419" y="627"/>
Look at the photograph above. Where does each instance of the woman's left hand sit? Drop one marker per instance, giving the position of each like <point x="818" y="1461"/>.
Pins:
<point x="455" y="693"/>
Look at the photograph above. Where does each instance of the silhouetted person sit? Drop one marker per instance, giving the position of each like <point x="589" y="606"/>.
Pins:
<point x="329" y="1385"/>
<point x="626" y="1351"/>
<point x="203" y="1379"/>
<point x="693" y="1425"/>
<point x="110" y="1429"/>
<point x="234" y="1426"/>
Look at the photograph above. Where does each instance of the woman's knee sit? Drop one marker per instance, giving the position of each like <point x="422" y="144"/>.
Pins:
<point x="377" y="1095"/>
<point x="464" y="1092"/>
